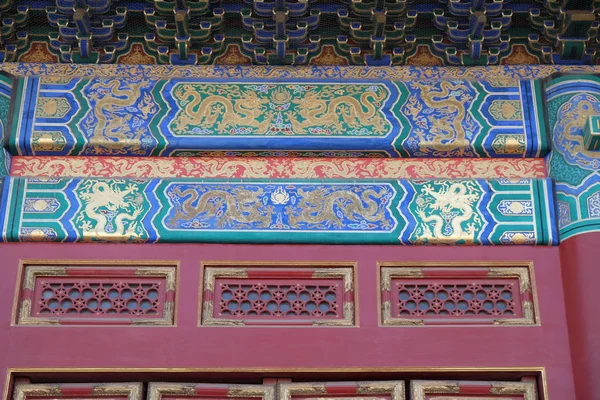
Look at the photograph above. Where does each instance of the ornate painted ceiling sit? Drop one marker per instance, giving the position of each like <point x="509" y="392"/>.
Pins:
<point x="317" y="32"/>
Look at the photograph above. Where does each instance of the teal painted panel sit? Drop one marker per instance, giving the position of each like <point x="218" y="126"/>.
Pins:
<point x="591" y="133"/>
<point x="6" y="89"/>
<point x="502" y="211"/>
<point x="6" y="92"/>
<point x="573" y="103"/>
<point x="5" y="158"/>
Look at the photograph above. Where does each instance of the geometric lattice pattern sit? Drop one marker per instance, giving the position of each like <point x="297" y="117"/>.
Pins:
<point x="118" y="298"/>
<point x="240" y="298"/>
<point x="454" y="294"/>
<point x="97" y="295"/>
<point x="278" y="295"/>
<point x="464" y="298"/>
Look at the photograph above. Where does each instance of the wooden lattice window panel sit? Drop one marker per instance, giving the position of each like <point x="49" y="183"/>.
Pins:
<point x="473" y="390"/>
<point x="71" y="391"/>
<point x="109" y="294"/>
<point x="457" y="295"/>
<point x="383" y="390"/>
<point x="278" y="294"/>
<point x="207" y="391"/>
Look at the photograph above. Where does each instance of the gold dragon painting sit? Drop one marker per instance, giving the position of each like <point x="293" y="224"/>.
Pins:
<point x="280" y="109"/>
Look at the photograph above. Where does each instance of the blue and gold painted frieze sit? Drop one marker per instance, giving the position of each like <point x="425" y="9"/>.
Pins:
<point x="573" y="101"/>
<point x="314" y="117"/>
<point x="477" y="211"/>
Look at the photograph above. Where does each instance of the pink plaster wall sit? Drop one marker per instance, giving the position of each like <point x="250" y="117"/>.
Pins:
<point x="367" y="346"/>
<point x="580" y="257"/>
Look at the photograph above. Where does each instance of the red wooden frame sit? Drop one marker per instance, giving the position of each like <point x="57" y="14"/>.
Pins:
<point x="173" y="391"/>
<point x="473" y="390"/>
<point x="88" y="391"/>
<point x="66" y="293"/>
<point x="291" y="294"/>
<point x="362" y="390"/>
<point x="454" y="293"/>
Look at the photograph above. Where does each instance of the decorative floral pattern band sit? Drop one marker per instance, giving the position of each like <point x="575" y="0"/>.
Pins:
<point x="476" y="211"/>
<point x="109" y="116"/>
<point x="396" y="73"/>
<point x="277" y="167"/>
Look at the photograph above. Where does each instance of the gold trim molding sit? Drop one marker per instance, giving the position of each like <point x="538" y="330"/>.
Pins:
<point x="31" y="269"/>
<point x="156" y="390"/>
<point x="133" y="391"/>
<point x="213" y="270"/>
<point x="421" y="389"/>
<point x="394" y="389"/>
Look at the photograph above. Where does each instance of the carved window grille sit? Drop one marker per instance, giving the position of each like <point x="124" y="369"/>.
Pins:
<point x="473" y="390"/>
<point x="454" y="294"/>
<point x="88" y="391"/>
<point x="175" y="391"/>
<point x="389" y="390"/>
<point x="114" y="294"/>
<point x="278" y="294"/>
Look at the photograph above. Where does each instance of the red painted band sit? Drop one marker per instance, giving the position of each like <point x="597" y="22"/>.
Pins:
<point x="100" y="272"/>
<point x="100" y="321"/>
<point x="280" y="273"/>
<point x="386" y="295"/>
<point x="26" y="294"/>
<point x="341" y="389"/>
<point x="76" y="391"/>
<point x="475" y="388"/>
<point x="170" y="295"/>
<point x="277" y="322"/>
<point x="455" y="272"/>
<point x="349" y="296"/>
<point x="219" y="391"/>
